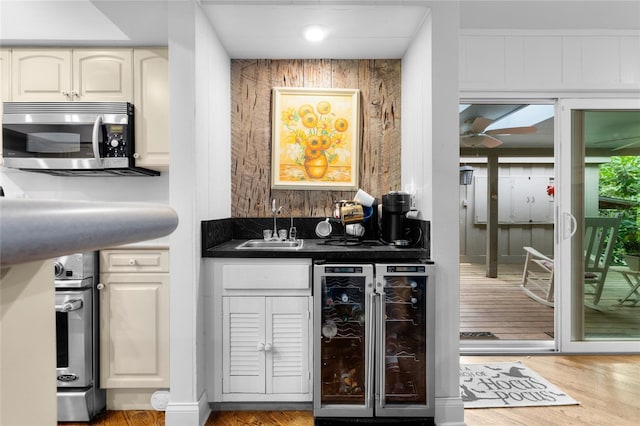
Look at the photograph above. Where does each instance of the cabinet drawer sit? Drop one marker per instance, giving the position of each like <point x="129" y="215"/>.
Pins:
<point x="267" y="275"/>
<point x="134" y="261"/>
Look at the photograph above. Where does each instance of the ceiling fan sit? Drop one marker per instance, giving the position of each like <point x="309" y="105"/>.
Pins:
<point x="478" y="136"/>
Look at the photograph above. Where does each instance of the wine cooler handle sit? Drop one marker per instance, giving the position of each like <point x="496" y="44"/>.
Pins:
<point x="368" y="380"/>
<point x="382" y="364"/>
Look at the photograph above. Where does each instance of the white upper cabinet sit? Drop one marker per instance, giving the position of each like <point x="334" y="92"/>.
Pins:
<point x="5" y="75"/>
<point x="103" y="75"/>
<point x="60" y="75"/>
<point x="151" y="101"/>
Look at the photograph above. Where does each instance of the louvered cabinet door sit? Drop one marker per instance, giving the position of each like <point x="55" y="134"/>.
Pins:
<point x="243" y="339"/>
<point x="288" y="336"/>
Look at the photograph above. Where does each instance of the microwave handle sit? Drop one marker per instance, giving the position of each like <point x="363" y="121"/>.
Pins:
<point x="95" y="139"/>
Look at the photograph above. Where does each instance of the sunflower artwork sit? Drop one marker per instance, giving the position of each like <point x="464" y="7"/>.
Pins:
<point x="315" y="138"/>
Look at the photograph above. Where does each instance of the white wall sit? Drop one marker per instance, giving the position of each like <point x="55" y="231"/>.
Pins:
<point x="183" y="408"/>
<point x="430" y="160"/>
<point x="213" y="150"/>
<point x="19" y="184"/>
<point x="200" y="188"/>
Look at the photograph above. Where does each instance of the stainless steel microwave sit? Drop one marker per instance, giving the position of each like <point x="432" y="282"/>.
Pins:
<point x="71" y="138"/>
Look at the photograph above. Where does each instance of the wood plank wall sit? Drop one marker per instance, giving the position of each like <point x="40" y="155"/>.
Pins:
<point x="251" y="84"/>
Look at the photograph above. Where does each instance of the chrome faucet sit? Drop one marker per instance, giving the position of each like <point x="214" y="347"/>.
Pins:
<point x="274" y="212"/>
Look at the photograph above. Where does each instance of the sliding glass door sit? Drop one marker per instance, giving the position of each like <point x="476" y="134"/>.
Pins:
<point x="598" y="203"/>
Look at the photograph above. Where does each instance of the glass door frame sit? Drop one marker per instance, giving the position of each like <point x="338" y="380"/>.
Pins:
<point x="569" y="194"/>
<point x="517" y="346"/>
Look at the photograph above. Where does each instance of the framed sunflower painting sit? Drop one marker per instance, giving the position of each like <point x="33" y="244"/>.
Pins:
<point x="315" y="138"/>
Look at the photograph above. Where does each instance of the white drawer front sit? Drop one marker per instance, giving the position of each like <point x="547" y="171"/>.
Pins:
<point x="267" y="275"/>
<point x="134" y="261"/>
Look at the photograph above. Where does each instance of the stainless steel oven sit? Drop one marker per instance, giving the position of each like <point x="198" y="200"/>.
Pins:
<point x="77" y="353"/>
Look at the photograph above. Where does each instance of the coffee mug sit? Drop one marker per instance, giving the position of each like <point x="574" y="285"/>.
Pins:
<point x="323" y="229"/>
<point x="356" y="229"/>
<point x="364" y="198"/>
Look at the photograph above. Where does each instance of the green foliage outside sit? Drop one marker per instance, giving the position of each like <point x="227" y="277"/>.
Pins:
<point x="620" y="178"/>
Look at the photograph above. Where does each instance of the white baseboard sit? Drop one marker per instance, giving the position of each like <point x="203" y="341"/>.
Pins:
<point x="449" y="412"/>
<point x="129" y="399"/>
<point x="188" y="413"/>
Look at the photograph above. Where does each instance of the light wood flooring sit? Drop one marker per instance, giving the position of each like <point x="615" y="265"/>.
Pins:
<point x="498" y="305"/>
<point x="606" y="386"/>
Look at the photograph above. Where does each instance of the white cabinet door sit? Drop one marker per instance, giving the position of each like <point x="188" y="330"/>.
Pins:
<point x="5" y="75"/>
<point x="266" y="345"/>
<point x="288" y="335"/>
<point x="60" y="75"/>
<point x="531" y="204"/>
<point x="102" y="75"/>
<point x="243" y="340"/>
<point x="505" y="200"/>
<point x="134" y="330"/>
<point x="41" y="75"/>
<point x="151" y="101"/>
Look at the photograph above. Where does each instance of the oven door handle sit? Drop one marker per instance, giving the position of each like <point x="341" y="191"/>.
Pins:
<point x="95" y="143"/>
<point x="69" y="305"/>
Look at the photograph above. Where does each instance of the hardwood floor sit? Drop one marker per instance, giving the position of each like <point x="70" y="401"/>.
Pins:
<point x="606" y="386"/>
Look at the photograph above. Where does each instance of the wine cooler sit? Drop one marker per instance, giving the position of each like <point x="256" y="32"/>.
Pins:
<point x="373" y="353"/>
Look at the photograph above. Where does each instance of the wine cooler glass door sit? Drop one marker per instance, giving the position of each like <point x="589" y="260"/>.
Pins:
<point x="403" y="346"/>
<point x="343" y="370"/>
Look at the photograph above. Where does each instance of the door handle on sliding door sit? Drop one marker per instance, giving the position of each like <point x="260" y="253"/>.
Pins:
<point x="568" y="224"/>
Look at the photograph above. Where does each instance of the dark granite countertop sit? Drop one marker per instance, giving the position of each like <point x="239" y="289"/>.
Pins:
<point x="221" y="237"/>
<point x="319" y="249"/>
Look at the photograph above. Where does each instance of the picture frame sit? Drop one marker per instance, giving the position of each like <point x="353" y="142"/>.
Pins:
<point x="315" y="138"/>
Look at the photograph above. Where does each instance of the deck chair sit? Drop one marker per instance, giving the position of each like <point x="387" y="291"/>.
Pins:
<point x="599" y="239"/>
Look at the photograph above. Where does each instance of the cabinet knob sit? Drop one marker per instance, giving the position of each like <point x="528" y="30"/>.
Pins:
<point x="267" y="347"/>
<point x="132" y="262"/>
<point x="74" y="94"/>
<point x="100" y="286"/>
<point x="260" y="346"/>
<point x="65" y="93"/>
<point x="136" y="155"/>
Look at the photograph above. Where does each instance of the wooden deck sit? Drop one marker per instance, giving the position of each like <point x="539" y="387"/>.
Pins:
<point x="499" y="306"/>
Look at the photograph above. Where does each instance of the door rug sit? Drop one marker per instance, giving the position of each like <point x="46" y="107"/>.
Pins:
<point x="508" y="384"/>
<point x="477" y="335"/>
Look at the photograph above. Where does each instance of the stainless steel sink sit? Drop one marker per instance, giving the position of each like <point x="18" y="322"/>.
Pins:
<point x="270" y="245"/>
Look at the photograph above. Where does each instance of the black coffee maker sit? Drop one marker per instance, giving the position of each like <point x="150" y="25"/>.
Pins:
<point x="395" y="206"/>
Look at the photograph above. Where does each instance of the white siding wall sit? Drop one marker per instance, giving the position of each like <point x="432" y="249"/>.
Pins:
<point x="549" y="61"/>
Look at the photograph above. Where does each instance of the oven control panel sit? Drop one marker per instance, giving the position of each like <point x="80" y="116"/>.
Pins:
<point x="75" y="266"/>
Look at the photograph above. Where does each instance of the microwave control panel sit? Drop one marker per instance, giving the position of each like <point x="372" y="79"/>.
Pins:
<point x="116" y="143"/>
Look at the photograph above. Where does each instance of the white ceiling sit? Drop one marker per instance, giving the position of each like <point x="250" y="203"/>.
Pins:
<point x="272" y="28"/>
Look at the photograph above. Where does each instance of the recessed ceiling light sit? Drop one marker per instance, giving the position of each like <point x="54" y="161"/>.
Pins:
<point x="314" y="33"/>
